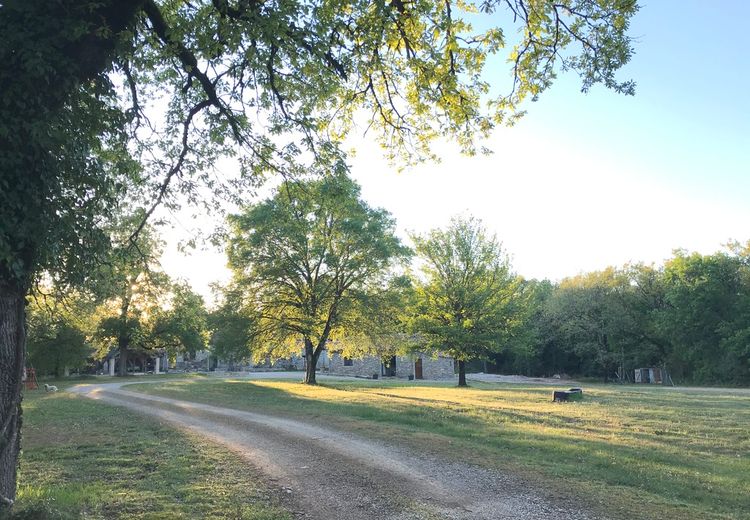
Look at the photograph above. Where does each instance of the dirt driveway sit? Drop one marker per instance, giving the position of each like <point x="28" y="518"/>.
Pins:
<point x="327" y="474"/>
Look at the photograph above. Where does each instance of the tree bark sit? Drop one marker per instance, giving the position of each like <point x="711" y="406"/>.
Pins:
<point x="12" y="353"/>
<point x="311" y="363"/>
<point x="90" y="54"/>
<point x="462" y="373"/>
<point x="123" y="367"/>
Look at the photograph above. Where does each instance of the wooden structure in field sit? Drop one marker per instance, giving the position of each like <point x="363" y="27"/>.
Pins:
<point x="656" y="376"/>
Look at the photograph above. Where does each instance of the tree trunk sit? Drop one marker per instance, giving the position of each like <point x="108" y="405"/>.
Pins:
<point x="123" y="368"/>
<point x="462" y="373"/>
<point x="91" y="53"/>
<point x="311" y="363"/>
<point x="12" y="352"/>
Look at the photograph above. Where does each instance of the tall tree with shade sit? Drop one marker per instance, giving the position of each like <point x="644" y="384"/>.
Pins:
<point x="467" y="302"/>
<point x="307" y="258"/>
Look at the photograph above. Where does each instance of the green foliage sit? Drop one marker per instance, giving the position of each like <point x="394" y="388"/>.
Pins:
<point x="141" y="309"/>
<point x="691" y="316"/>
<point x="706" y="317"/>
<point x="466" y="306"/>
<point x="131" y="288"/>
<point x="261" y="81"/>
<point x="183" y="325"/>
<point x="588" y="316"/>
<point x="307" y="259"/>
<point x="524" y="351"/>
<point x="64" y="161"/>
<point x="56" y="337"/>
<point x="231" y="326"/>
<point x="379" y="324"/>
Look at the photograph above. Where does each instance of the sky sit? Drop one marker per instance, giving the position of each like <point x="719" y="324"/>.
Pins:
<point x="585" y="181"/>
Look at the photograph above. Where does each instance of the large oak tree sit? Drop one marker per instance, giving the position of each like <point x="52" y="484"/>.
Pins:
<point x="467" y="300"/>
<point x="309" y="258"/>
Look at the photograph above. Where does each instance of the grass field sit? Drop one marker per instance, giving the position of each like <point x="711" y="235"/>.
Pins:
<point x="629" y="452"/>
<point x="83" y="459"/>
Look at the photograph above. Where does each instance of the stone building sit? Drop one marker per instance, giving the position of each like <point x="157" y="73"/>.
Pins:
<point x="152" y="362"/>
<point x="414" y="366"/>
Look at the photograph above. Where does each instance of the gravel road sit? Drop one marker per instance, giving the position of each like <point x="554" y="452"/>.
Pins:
<point x="327" y="474"/>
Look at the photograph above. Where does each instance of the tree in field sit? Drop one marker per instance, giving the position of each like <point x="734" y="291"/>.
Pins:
<point x="143" y="310"/>
<point x="130" y="284"/>
<point x="735" y="342"/>
<point x="690" y="316"/>
<point x="645" y="304"/>
<point x="706" y="316"/>
<point x="231" y="327"/>
<point x="180" y="325"/>
<point x="261" y="81"/>
<point x="467" y="303"/>
<point x="307" y="258"/>
<point x="149" y="318"/>
<point x="379" y="324"/>
<point x="527" y="350"/>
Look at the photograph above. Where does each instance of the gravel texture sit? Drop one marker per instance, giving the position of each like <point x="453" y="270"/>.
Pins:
<point x="325" y="474"/>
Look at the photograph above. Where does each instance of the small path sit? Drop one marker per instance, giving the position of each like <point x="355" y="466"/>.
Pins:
<point x="523" y="380"/>
<point x="326" y="474"/>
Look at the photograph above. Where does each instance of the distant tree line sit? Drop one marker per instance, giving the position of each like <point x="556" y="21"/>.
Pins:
<point x="126" y="306"/>
<point x="335" y="271"/>
<point x="690" y="316"/>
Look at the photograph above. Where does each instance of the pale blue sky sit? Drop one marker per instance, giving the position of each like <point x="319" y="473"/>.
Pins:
<point x="586" y="181"/>
<point x="690" y="118"/>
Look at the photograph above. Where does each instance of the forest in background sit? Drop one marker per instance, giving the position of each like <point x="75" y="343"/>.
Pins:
<point x="690" y="315"/>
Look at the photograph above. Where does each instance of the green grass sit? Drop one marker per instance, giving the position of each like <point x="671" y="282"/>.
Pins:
<point x="630" y="452"/>
<point x="85" y="459"/>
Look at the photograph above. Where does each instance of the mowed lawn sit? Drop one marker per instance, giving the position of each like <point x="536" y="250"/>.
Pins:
<point x="627" y="452"/>
<point x="85" y="459"/>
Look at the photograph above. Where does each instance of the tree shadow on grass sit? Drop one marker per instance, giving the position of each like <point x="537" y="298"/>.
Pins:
<point x="582" y="441"/>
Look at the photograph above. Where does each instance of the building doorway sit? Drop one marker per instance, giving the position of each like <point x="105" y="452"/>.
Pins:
<point x="418" y="369"/>
<point x="389" y="366"/>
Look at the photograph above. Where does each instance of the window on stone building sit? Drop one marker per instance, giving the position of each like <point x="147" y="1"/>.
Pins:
<point x="348" y="362"/>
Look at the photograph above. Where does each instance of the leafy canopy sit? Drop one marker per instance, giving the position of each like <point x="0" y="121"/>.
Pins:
<point x="466" y="302"/>
<point x="58" y="332"/>
<point x="106" y="97"/>
<point x="231" y="326"/>
<point x="309" y="257"/>
<point x="141" y="307"/>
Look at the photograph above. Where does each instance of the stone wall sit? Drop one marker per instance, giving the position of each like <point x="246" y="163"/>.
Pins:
<point x="404" y="366"/>
<point x="363" y="367"/>
<point x="440" y="367"/>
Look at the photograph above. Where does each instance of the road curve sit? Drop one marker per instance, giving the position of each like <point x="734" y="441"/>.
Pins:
<point x="329" y="474"/>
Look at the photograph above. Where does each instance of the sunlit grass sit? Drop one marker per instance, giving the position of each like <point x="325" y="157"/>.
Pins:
<point x="84" y="459"/>
<point x="632" y="451"/>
